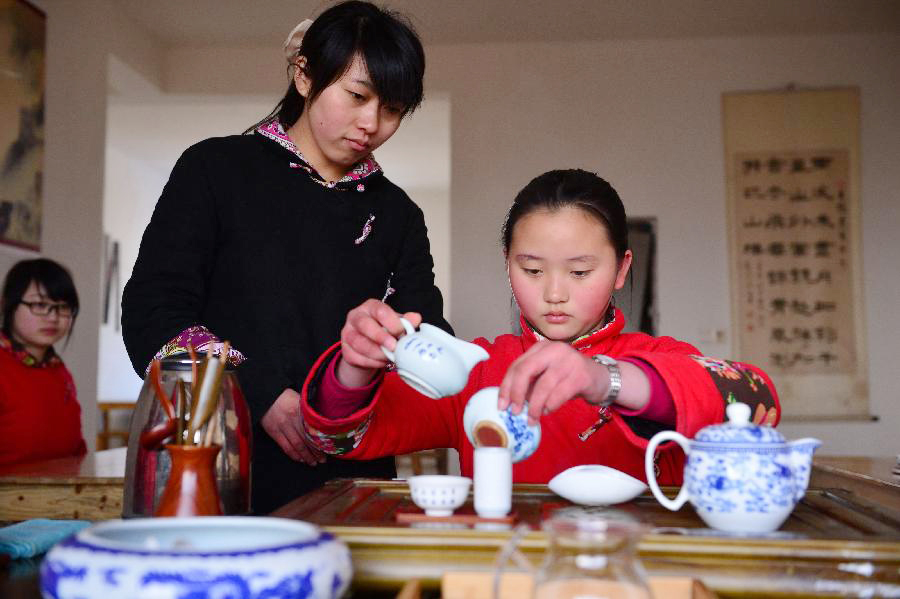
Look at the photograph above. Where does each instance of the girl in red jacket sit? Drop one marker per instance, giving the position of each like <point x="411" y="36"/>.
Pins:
<point x="598" y="393"/>
<point x="39" y="413"/>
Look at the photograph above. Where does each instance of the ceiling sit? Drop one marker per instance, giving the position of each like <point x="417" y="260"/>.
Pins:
<point x="266" y="22"/>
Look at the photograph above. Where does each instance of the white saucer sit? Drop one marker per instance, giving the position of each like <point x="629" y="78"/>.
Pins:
<point x="592" y="484"/>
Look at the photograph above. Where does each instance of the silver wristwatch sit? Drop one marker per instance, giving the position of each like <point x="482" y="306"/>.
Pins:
<point x="615" y="378"/>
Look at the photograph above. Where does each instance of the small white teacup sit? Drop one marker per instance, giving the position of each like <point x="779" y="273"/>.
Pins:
<point x="439" y="494"/>
<point x="486" y="426"/>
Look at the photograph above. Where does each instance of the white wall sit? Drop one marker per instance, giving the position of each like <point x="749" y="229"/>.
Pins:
<point x="647" y="115"/>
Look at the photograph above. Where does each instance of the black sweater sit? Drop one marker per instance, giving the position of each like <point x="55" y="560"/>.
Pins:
<point x="247" y="244"/>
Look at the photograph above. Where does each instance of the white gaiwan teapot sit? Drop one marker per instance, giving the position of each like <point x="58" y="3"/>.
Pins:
<point x="739" y="477"/>
<point x="433" y="362"/>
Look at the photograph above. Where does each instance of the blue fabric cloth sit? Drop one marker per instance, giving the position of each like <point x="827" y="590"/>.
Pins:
<point x="34" y="537"/>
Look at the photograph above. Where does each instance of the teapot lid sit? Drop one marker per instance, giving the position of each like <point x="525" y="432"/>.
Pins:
<point x="739" y="429"/>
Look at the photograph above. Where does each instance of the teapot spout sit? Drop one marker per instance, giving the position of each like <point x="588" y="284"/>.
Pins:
<point x="473" y="354"/>
<point x="801" y="463"/>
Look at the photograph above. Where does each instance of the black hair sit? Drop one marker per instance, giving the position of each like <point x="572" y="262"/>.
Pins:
<point x="387" y="44"/>
<point x="52" y="276"/>
<point x="577" y="188"/>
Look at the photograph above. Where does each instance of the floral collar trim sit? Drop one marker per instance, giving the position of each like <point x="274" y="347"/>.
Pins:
<point x="362" y="169"/>
<point x="612" y="326"/>
<point x="18" y="352"/>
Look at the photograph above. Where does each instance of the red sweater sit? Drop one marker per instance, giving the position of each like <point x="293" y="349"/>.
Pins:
<point x="399" y="420"/>
<point x="39" y="413"/>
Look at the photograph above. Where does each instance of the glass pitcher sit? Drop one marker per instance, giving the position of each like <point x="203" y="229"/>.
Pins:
<point x="147" y="468"/>
<point x="591" y="554"/>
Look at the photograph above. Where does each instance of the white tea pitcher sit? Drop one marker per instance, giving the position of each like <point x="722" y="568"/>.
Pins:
<point x="739" y="477"/>
<point x="434" y="362"/>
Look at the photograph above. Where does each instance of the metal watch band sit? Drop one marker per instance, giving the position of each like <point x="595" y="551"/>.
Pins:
<point x="615" y="378"/>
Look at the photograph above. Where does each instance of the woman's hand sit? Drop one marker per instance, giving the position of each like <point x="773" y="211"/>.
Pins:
<point x="284" y="423"/>
<point x="368" y="327"/>
<point x="548" y="375"/>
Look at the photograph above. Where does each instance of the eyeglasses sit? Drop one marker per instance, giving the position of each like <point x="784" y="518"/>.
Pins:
<point x="46" y="308"/>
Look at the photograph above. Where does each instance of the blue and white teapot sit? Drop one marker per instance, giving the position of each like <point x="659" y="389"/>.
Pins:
<point x="739" y="477"/>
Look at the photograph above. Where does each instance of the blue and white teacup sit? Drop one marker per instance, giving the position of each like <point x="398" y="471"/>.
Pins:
<point x="486" y="426"/>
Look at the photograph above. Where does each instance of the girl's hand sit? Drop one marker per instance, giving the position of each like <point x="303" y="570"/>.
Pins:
<point x="368" y="327"/>
<point x="548" y="375"/>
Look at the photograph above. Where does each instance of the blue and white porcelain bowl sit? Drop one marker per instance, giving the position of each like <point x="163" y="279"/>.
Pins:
<point x="169" y="558"/>
<point x="486" y="426"/>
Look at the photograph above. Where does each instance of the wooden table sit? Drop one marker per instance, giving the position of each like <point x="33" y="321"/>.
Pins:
<point x="836" y="542"/>
<point x="871" y="479"/>
<point x="844" y="536"/>
<point x="87" y="488"/>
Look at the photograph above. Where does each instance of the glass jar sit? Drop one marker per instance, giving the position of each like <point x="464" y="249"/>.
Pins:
<point x="147" y="468"/>
<point x="591" y="554"/>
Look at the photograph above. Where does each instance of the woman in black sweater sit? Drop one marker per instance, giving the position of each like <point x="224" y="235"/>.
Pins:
<point x="268" y="239"/>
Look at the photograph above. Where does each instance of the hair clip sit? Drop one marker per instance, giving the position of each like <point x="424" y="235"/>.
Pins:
<point x="294" y="39"/>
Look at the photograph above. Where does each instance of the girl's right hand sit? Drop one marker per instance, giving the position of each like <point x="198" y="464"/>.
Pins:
<point x="368" y="327"/>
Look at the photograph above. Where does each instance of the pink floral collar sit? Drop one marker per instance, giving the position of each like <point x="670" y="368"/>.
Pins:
<point x="362" y="169"/>
<point x="613" y="325"/>
<point x="19" y="353"/>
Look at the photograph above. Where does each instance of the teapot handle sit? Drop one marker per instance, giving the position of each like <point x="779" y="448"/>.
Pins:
<point x="408" y="327"/>
<point x="682" y="497"/>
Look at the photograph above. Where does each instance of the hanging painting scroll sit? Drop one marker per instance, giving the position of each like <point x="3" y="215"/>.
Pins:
<point x="22" y="32"/>
<point x="792" y="161"/>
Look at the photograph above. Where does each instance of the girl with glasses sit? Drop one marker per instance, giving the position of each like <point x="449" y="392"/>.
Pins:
<point x="40" y="417"/>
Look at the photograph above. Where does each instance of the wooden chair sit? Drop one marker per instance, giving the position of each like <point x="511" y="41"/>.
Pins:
<point x="105" y="433"/>
<point x="438" y="455"/>
<point x="429" y="461"/>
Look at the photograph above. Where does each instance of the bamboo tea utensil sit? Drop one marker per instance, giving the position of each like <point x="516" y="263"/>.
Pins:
<point x="180" y="409"/>
<point x="160" y="393"/>
<point x="199" y="373"/>
<point x="211" y="431"/>
<point x="152" y="438"/>
<point x="208" y="393"/>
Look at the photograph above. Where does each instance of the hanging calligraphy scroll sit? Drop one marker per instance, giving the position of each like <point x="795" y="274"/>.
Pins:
<point x="792" y="161"/>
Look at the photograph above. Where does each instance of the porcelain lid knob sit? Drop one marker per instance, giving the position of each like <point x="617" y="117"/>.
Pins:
<point x="738" y="414"/>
